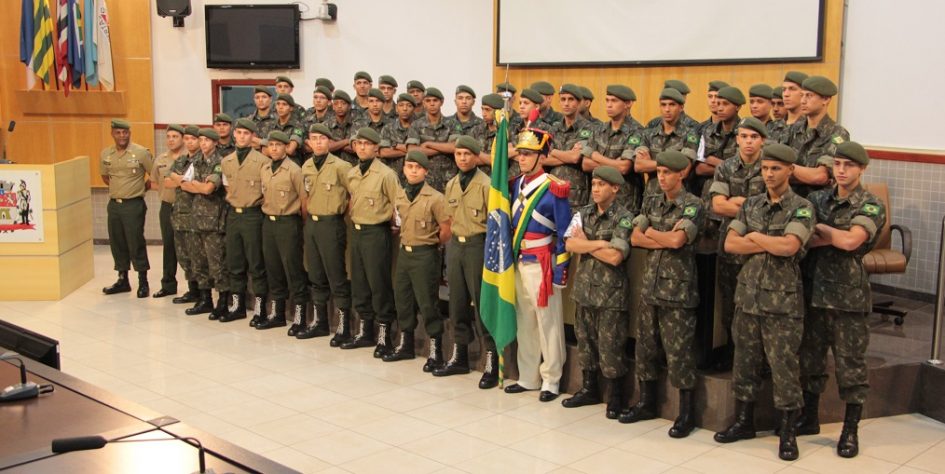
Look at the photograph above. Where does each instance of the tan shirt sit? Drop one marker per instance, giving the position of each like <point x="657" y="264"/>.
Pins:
<point x="420" y="219"/>
<point x="161" y="170"/>
<point x="468" y="209"/>
<point x="373" y="193"/>
<point x="243" y="188"/>
<point x="282" y="189"/>
<point x="326" y="188"/>
<point x="126" y="170"/>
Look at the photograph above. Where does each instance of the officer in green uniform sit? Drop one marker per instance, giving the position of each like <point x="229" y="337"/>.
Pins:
<point x="124" y="167"/>
<point x="465" y="99"/>
<point x="284" y="85"/>
<point x="586" y="102"/>
<point x="485" y="131"/>
<point x="670" y="133"/>
<point x="394" y="135"/>
<point x="263" y="117"/>
<point x="600" y="231"/>
<point x="685" y="120"/>
<point x="760" y="104"/>
<point x="282" y="235"/>
<point x="286" y="123"/>
<point x="325" y="180"/>
<point x="547" y="91"/>
<point x="320" y="111"/>
<point x="430" y="135"/>
<point x="209" y="216"/>
<point x="241" y="178"/>
<point x="373" y="187"/>
<point x="362" y="85"/>
<point x="223" y="124"/>
<point x="181" y="214"/>
<point x="771" y="230"/>
<point x="388" y="85"/>
<point x="174" y="138"/>
<point x="668" y="226"/>
<point x="373" y="115"/>
<point x="849" y="220"/>
<point x="340" y="125"/>
<point x="815" y="136"/>
<point x="612" y="145"/>
<point x="424" y="227"/>
<point x="417" y="90"/>
<point x="570" y="136"/>
<point x="467" y="199"/>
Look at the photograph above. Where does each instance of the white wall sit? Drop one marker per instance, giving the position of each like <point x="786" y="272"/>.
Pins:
<point x="894" y="65"/>
<point x="442" y="43"/>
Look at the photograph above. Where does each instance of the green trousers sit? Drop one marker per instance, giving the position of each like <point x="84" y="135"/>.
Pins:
<point x="244" y="251"/>
<point x="208" y="255"/>
<point x="126" y="234"/>
<point x="778" y="338"/>
<point x="416" y="284"/>
<point x="371" y="289"/>
<point x="602" y="340"/>
<point x="464" y="275"/>
<point x="325" y="244"/>
<point x="675" y="330"/>
<point x="847" y="335"/>
<point x="282" y="252"/>
<point x="169" y="275"/>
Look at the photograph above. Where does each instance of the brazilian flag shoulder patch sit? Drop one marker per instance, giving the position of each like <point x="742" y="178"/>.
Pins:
<point x="871" y="209"/>
<point x="692" y="138"/>
<point x="626" y="223"/>
<point x="837" y="139"/>
<point x="803" y="213"/>
<point x="690" y="211"/>
<point x="634" y="140"/>
<point x="585" y="134"/>
<point x="297" y="131"/>
<point x="217" y="169"/>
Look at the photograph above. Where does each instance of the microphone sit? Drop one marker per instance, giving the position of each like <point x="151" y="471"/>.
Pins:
<point x="24" y="389"/>
<point x="85" y="443"/>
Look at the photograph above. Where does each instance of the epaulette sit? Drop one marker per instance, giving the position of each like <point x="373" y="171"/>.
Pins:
<point x="559" y="187"/>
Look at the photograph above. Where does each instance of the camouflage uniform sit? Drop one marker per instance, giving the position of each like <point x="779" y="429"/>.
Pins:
<point x="341" y="131"/>
<point x="394" y="133"/>
<point x="182" y="220"/>
<point x="619" y="144"/>
<point x="551" y="117"/>
<point x="209" y="217"/>
<point x="769" y="300"/>
<point x="720" y="144"/>
<point x="815" y="146"/>
<point x="670" y="291"/>
<point x="485" y="136"/>
<point x="442" y="166"/>
<point x="263" y="124"/>
<point x="296" y="133"/>
<point x="839" y="296"/>
<point x="467" y="126"/>
<point x="564" y="139"/>
<point x="777" y="131"/>
<point x="311" y="117"/>
<point x="600" y="291"/>
<point x="656" y="141"/>
<point x="224" y="149"/>
<point x="365" y="121"/>
<point x="684" y="120"/>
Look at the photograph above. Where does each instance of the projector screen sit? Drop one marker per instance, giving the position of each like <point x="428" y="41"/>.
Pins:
<point x="637" y="32"/>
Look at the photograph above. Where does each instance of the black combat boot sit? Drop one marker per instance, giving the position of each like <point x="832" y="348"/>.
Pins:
<point x="236" y="309"/>
<point x="787" y="447"/>
<point x="808" y="423"/>
<point x="404" y="350"/>
<point x="203" y="305"/>
<point x="849" y="444"/>
<point x="343" y="331"/>
<point x="458" y="363"/>
<point x="646" y="408"/>
<point x="143" y="288"/>
<point x="615" y="402"/>
<point x="435" y="358"/>
<point x="276" y="317"/>
<point x="319" y="326"/>
<point x="685" y="422"/>
<point x="221" y="309"/>
<point x="744" y="426"/>
<point x="298" y="320"/>
<point x="190" y="296"/>
<point x="589" y="394"/>
<point x="120" y="286"/>
<point x="365" y="337"/>
<point x="260" y="310"/>
<point x="383" y="340"/>
<point x="490" y="370"/>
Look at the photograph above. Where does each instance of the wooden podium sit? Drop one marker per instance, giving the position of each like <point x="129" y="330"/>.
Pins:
<point x="52" y="269"/>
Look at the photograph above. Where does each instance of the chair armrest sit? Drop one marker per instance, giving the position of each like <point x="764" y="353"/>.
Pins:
<point x="905" y="234"/>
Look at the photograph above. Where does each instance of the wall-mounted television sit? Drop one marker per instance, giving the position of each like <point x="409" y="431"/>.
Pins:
<point x="252" y="36"/>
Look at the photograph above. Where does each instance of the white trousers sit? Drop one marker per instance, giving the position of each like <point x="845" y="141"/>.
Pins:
<point x="540" y="335"/>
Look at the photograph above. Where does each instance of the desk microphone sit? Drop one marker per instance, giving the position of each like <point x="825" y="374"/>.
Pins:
<point x="24" y="389"/>
<point x="85" y="443"/>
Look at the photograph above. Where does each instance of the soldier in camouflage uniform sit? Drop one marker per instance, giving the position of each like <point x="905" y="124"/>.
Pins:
<point x="668" y="226"/>
<point x="417" y="90"/>
<point x="388" y="86"/>
<point x="718" y="139"/>
<point x="777" y="104"/>
<point x="286" y="123"/>
<point x="670" y="133"/>
<point x="791" y="95"/>
<point x="570" y="136"/>
<point x="263" y="117"/>
<point x="850" y="219"/>
<point x="529" y="101"/>
<point x="772" y="231"/>
<point x="223" y="124"/>
<point x="430" y="135"/>
<point x="547" y="91"/>
<point x="485" y="131"/>
<point x="685" y="120"/>
<point x="394" y="136"/>
<point x="464" y="116"/>
<point x="181" y="219"/>
<point x="586" y="102"/>
<point x="760" y="104"/>
<point x="362" y="85"/>
<point x="712" y="98"/>
<point x="373" y="116"/>
<point x="600" y="231"/>
<point x="815" y="136"/>
<point x="340" y="125"/>
<point x="612" y="145"/>
<point x="284" y="85"/>
<point x="161" y="170"/>
<point x="320" y="111"/>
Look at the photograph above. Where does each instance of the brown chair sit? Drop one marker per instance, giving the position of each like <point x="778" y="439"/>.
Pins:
<point x="883" y="258"/>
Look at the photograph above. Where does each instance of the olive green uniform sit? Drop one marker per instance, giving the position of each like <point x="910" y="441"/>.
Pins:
<point x="209" y="216"/>
<point x="618" y="144"/>
<point x="326" y="184"/>
<point x="341" y="130"/>
<point x="282" y="231"/>
<point x="161" y="170"/>
<point x="242" y="179"/>
<point x="293" y="128"/>
<point x="126" y="170"/>
<point x="814" y="146"/>
<point x="442" y="166"/>
<point x="565" y="137"/>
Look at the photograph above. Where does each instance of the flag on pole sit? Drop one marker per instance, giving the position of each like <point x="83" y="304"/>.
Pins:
<point x="43" y="61"/>
<point x="91" y="55"/>
<point x="103" y="47"/>
<point x="27" y="31"/>
<point x="76" y="38"/>
<point x="63" y="69"/>
<point x="497" y="299"/>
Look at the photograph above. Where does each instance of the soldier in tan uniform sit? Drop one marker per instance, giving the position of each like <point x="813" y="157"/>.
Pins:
<point x="174" y="137"/>
<point x="123" y="167"/>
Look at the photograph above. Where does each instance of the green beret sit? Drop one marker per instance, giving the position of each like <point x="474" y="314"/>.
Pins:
<point x="286" y="98"/>
<point x="209" y="133"/>
<point x="408" y="98"/>
<point x="433" y="92"/>
<point x="419" y="158"/>
<point x="284" y="79"/>
<point x="246" y="124"/>
<point x="325" y="82"/>
<point x="341" y="95"/>
<point x="673" y="160"/>
<point x="779" y="152"/>
<point x="777" y="92"/>
<point x="588" y="95"/>
<point x="389" y="80"/>
<point x="573" y="90"/>
<point x="796" y="77"/>
<point x="621" y="92"/>
<point x="469" y="143"/>
<point x="377" y="94"/>
<point x="320" y="128"/>
<point x="221" y="117"/>
<point x="672" y="94"/>
<point x="761" y="90"/>
<point x="175" y="128"/>
<point x="543" y="88"/>
<point x="122" y="124"/>
<point x="820" y="85"/>
<point x="466" y="89"/>
<point x="678" y="85"/>
<point x="368" y="133"/>
<point x="717" y="85"/>
<point x="853" y="151"/>
<point x="506" y="87"/>
<point x="278" y="136"/>
<point x="323" y="91"/>
<point x="193" y="130"/>
<point x="533" y="95"/>
<point x="754" y="124"/>
<point x="415" y="85"/>
<point x="732" y="94"/>
<point x="363" y="75"/>
<point x="493" y="100"/>
<point x="264" y="90"/>
<point x="609" y="174"/>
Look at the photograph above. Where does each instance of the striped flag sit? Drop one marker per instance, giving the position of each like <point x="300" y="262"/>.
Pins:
<point x="43" y="61"/>
<point x="26" y="40"/>
<point x="63" y="69"/>
<point x="69" y="49"/>
<point x="76" y="38"/>
<point x="103" y="47"/>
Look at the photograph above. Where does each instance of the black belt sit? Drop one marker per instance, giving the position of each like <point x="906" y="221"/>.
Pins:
<point x="471" y="239"/>
<point x="124" y="200"/>
<point x="283" y="218"/>
<point x="418" y="248"/>
<point x="371" y="226"/>
<point x="247" y="210"/>
<point x="327" y="218"/>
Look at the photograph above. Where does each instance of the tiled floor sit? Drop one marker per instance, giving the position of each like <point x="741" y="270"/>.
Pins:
<point x="319" y="409"/>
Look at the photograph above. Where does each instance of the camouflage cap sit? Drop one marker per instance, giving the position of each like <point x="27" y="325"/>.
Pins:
<point x="493" y="100"/>
<point x="469" y="143"/>
<point x="209" y="133"/>
<point x="194" y="130"/>
<point x="320" y="129"/>
<point x="323" y="91"/>
<point x="341" y="95"/>
<point x="264" y="90"/>
<point x="796" y="77"/>
<point x="285" y="79"/>
<point x="433" y="92"/>
<point x="609" y="174"/>
<point x="325" y="82"/>
<point x="363" y="75"/>
<point x="415" y="84"/>
<point x="678" y="85"/>
<point x="777" y="92"/>
<point x="418" y="157"/>
<point x="286" y="98"/>
<point x="247" y="124"/>
<point x="672" y="94"/>
<point x="573" y="90"/>
<point x="820" y="85"/>
<point x="175" y="128"/>
<point x="533" y="95"/>
<point x="588" y="95"/>
<point x="853" y="151"/>
<point x="369" y="134"/>
<point x="386" y="79"/>
<point x="466" y="89"/>
<point x="621" y="92"/>
<point x="754" y="124"/>
<point x="715" y="86"/>
<point x="279" y="136"/>
<point x="779" y="152"/>
<point x="505" y="87"/>
<point x="543" y="88"/>
<point x="122" y="124"/>
<point x="673" y="160"/>
<point x="732" y="94"/>
<point x="761" y="90"/>
<point x="408" y="98"/>
<point x="221" y="117"/>
<point x="377" y="94"/>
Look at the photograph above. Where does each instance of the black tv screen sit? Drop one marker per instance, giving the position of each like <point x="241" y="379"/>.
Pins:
<point x="252" y="36"/>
